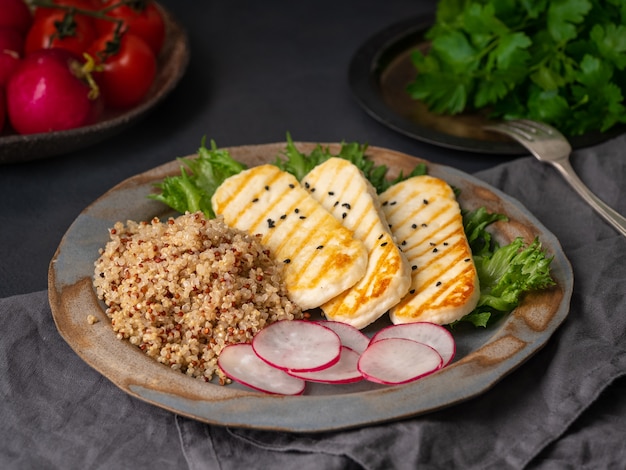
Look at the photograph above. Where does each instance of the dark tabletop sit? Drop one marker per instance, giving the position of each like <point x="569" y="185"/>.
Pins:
<point x="257" y="71"/>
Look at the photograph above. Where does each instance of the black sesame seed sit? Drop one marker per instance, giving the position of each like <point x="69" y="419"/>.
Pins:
<point x="319" y="247"/>
<point x="271" y="223"/>
<point x="381" y="236"/>
<point x="256" y="199"/>
<point x="392" y="203"/>
<point x="287" y="261"/>
<point x="297" y="210"/>
<point x="385" y="203"/>
<point x="438" y="283"/>
<point x="331" y="193"/>
<point x="466" y="260"/>
<point x="346" y="205"/>
<point x="312" y="190"/>
<point x="283" y="217"/>
<point x="445" y="243"/>
<point x="267" y="188"/>
<point x="336" y="204"/>
<point x="291" y="185"/>
<point x="344" y="215"/>
<point x="413" y="268"/>
<point x="307" y="185"/>
<point x="303" y="217"/>
<point x="424" y="225"/>
<point x="383" y="244"/>
<point x="425" y="201"/>
<point x="414" y="226"/>
<point x="403" y="242"/>
<point x="412" y="291"/>
<point x="435" y="250"/>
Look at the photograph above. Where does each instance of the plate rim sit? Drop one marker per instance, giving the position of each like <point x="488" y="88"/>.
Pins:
<point x="364" y="71"/>
<point x="296" y="414"/>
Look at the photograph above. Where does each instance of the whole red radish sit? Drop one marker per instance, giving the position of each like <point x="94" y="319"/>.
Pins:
<point x="9" y="60"/>
<point x="49" y="93"/>
<point x="16" y="15"/>
<point x="3" y="109"/>
<point x="11" y="40"/>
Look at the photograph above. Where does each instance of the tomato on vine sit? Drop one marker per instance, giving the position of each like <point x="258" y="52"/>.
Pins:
<point x="140" y="17"/>
<point x="127" y="69"/>
<point x="58" y="28"/>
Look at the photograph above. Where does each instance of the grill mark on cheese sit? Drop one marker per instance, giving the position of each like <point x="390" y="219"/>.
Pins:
<point x="444" y="284"/>
<point x="312" y="275"/>
<point x="343" y="190"/>
<point x="255" y="226"/>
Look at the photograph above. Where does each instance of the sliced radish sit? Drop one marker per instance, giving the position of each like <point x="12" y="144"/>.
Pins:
<point x="350" y="336"/>
<point x="342" y="372"/>
<point x="240" y="363"/>
<point x="395" y="361"/>
<point x="435" y="336"/>
<point x="297" y="345"/>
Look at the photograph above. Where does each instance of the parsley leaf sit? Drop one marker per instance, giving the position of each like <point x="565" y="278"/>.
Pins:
<point x="558" y="61"/>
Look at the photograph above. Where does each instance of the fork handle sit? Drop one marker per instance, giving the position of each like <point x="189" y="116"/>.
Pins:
<point x="609" y="214"/>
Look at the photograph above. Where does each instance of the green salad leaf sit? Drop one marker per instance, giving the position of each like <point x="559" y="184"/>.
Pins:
<point x="299" y="164"/>
<point x="562" y="62"/>
<point x="506" y="272"/>
<point x="199" y="178"/>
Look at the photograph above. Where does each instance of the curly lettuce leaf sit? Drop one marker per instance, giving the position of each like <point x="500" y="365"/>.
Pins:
<point x="299" y="163"/>
<point x="505" y="275"/>
<point x="192" y="190"/>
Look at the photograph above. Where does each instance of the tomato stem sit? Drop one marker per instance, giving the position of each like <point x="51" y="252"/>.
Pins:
<point x="137" y="5"/>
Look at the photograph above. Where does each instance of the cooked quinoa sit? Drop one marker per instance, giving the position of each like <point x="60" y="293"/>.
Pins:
<point x="182" y="289"/>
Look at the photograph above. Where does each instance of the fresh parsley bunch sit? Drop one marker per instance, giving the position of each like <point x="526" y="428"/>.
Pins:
<point x="557" y="61"/>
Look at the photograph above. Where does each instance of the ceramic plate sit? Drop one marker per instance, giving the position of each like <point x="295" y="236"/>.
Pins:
<point x="484" y="356"/>
<point x="172" y="63"/>
<point x="379" y="73"/>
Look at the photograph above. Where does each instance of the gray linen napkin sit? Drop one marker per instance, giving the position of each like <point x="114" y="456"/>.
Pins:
<point x="564" y="408"/>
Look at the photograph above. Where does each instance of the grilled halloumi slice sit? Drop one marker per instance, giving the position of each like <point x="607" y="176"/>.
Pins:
<point x="345" y="192"/>
<point x="322" y="258"/>
<point x="427" y="223"/>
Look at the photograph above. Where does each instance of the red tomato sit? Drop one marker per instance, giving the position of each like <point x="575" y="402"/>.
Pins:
<point x="144" y="21"/>
<point x="42" y="12"/>
<point x="15" y="14"/>
<point x="44" y="34"/>
<point x="127" y="73"/>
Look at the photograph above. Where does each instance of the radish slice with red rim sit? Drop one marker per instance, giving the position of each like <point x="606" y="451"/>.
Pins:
<point x="240" y="363"/>
<point x="297" y="345"/>
<point x="350" y="336"/>
<point x="431" y="334"/>
<point x="394" y="361"/>
<point x="342" y="372"/>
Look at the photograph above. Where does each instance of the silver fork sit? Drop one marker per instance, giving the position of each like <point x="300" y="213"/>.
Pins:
<point x="550" y="146"/>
